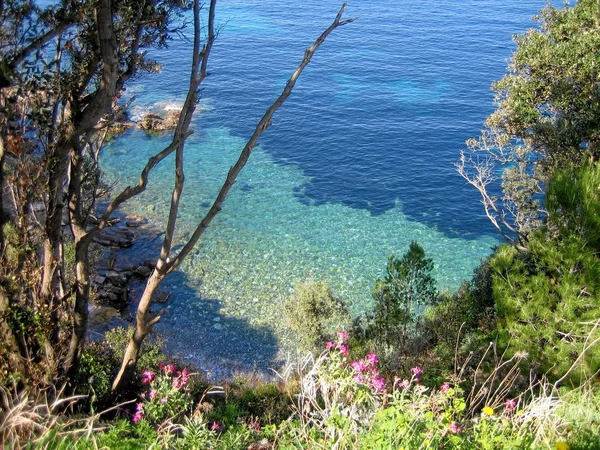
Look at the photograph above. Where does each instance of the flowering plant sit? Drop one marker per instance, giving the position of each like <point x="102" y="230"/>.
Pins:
<point x="167" y="395"/>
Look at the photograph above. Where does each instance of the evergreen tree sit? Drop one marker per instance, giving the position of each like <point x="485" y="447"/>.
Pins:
<point x="402" y="295"/>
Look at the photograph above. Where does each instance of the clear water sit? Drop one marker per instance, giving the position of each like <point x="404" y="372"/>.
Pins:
<point x="358" y="162"/>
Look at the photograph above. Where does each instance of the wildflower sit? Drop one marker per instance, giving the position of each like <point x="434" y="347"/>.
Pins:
<point x="177" y="383"/>
<point x="184" y="375"/>
<point x="139" y="413"/>
<point x="562" y="446"/>
<point x="254" y="426"/>
<point x="342" y="336"/>
<point x="330" y="345"/>
<point x="510" y="404"/>
<point x="444" y="388"/>
<point x="416" y="371"/>
<point x="163" y="400"/>
<point x="487" y="411"/>
<point x="359" y="366"/>
<point x="359" y="379"/>
<point x="151" y="395"/>
<point x="454" y="428"/>
<point x="147" y="376"/>
<point x="378" y="383"/>
<point x="372" y="359"/>
<point x="343" y="349"/>
<point x="215" y="426"/>
<point x="169" y="369"/>
<point x="405" y="384"/>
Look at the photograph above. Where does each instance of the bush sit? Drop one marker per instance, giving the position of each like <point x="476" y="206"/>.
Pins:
<point x="314" y="314"/>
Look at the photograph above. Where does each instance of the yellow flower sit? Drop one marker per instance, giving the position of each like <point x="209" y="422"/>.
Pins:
<point x="562" y="446"/>
<point x="488" y="411"/>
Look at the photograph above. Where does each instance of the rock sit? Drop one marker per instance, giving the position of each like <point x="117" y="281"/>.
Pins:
<point x="155" y="123"/>
<point x="116" y="237"/>
<point x="142" y="271"/>
<point x="118" y="128"/>
<point x="150" y="263"/>
<point x="134" y="221"/>
<point x="115" y="278"/>
<point x="161" y="297"/>
<point x="99" y="279"/>
<point x="102" y="314"/>
<point x="218" y="326"/>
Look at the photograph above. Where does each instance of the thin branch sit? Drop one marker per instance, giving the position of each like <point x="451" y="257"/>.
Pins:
<point x="262" y="125"/>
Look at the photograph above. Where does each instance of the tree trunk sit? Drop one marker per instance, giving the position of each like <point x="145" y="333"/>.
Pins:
<point x="80" y="312"/>
<point x="142" y="328"/>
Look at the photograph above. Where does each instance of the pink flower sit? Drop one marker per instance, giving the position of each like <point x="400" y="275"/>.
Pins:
<point x="359" y="366"/>
<point x="343" y="349"/>
<point x="378" y="383"/>
<point x="444" y="388"/>
<point x="510" y="404"/>
<point x="137" y="417"/>
<point x="147" y="376"/>
<point x="177" y="383"/>
<point x="215" y="426"/>
<point x="169" y="369"/>
<point x="330" y="345"/>
<point x="139" y="407"/>
<point x="372" y="359"/>
<point x="185" y="376"/>
<point x="342" y="336"/>
<point x="454" y="428"/>
<point x="152" y="395"/>
<point x="359" y="379"/>
<point x="416" y="371"/>
<point x="254" y="426"/>
<point x="163" y="400"/>
<point x="405" y="384"/>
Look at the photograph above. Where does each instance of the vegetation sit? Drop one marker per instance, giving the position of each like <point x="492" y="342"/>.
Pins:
<point x="315" y="315"/>
<point x="506" y="362"/>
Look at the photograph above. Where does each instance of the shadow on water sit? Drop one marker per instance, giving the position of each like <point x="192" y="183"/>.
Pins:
<point x="193" y="328"/>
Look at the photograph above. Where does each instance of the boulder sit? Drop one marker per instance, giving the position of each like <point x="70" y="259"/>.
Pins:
<point x="154" y="122"/>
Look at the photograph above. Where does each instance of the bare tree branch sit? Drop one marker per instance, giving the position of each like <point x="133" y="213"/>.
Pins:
<point x="262" y="125"/>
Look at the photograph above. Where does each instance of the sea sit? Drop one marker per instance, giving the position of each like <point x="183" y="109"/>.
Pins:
<point x="358" y="162"/>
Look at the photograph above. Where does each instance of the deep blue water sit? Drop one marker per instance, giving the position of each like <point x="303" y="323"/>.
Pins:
<point x="358" y="162"/>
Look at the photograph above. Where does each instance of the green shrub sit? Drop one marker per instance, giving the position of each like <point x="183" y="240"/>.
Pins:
<point x="314" y="314"/>
<point x="402" y="296"/>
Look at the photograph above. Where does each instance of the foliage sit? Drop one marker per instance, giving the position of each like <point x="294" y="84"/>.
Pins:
<point x="573" y="202"/>
<point x="393" y="330"/>
<point x="151" y="354"/>
<point x="167" y="396"/>
<point x="314" y="314"/>
<point x="547" y="115"/>
<point x="545" y="302"/>
<point x="546" y="299"/>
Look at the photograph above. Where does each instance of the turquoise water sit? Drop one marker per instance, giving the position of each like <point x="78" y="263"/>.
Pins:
<point x="357" y="164"/>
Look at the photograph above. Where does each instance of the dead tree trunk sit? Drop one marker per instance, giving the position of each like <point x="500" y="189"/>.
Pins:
<point x="165" y="264"/>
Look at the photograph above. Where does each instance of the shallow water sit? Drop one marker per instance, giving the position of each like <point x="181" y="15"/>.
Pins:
<point x="357" y="164"/>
